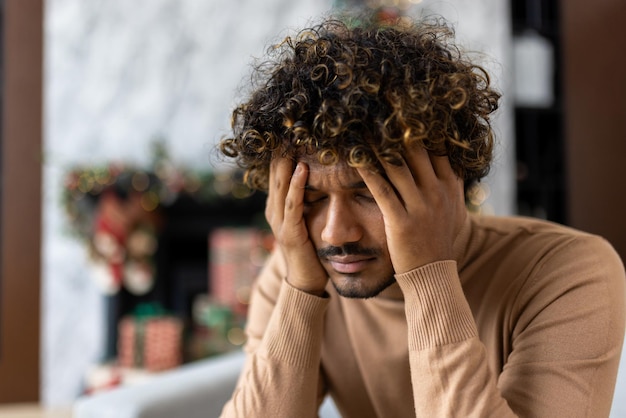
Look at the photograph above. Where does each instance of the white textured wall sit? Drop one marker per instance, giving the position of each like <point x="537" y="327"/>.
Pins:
<point x="119" y="73"/>
<point x="485" y="26"/>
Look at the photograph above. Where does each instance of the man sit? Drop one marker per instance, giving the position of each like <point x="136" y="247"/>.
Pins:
<point x="383" y="291"/>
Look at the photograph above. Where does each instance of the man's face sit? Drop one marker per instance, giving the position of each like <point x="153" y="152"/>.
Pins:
<point x="346" y="226"/>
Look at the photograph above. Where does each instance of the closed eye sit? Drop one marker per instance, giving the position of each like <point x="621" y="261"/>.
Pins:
<point x="365" y="197"/>
<point x="312" y="200"/>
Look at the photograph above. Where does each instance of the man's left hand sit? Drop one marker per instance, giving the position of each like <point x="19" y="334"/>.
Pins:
<point x="423" y="207"/>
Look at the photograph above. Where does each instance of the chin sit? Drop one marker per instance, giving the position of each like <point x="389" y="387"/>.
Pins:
<point x="354" y="288"/>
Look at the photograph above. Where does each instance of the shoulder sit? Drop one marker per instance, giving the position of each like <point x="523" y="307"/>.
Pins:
<point x="269" y="281"/>
<point x="552" y="262"/>
<point x="530" y="235"/>
<point x="522" y="225"/>
<point x="263" y="299"/>
<point x="545" y="256"/>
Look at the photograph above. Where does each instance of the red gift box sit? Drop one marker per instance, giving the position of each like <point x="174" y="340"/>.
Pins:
<point x="153" y="343"/>
<point x="236" y="257"/>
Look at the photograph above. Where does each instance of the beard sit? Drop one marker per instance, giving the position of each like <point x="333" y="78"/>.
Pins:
<point x="354" y="291"/>
<point x="355" y="286"/>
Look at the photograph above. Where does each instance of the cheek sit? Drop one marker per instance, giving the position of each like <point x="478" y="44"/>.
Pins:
<point x="315" y="221"/>
<point x="376" y="227"/>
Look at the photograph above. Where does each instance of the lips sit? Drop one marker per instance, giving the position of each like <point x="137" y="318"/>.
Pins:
<point x="348" y="265"/>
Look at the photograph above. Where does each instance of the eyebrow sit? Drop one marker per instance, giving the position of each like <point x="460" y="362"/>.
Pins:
<point x="352" y="186"/>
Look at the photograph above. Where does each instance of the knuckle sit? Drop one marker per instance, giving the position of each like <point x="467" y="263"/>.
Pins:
<point x="386" y="190"/>
<point x="289" y="204"/>
<point x="268" y="214"/>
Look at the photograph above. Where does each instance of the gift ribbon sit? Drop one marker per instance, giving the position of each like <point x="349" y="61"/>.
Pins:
<point x="142" y="313"/>
<point x="148" y="310"/>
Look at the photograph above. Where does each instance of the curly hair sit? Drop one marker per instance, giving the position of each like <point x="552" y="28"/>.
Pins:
<point x="359" y="91"/>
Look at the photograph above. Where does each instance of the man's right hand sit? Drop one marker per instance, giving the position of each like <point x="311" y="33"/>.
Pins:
<point x="284" y="212"/>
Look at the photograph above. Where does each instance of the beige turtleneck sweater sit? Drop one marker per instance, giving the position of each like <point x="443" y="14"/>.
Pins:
<point x="527" y="321"/>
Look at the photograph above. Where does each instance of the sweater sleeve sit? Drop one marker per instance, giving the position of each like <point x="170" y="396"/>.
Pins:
<point x="567" y="331"/>
<point x="281" y="375"/>
<point x="566" y="334"/>
<point x="449" y="370"/>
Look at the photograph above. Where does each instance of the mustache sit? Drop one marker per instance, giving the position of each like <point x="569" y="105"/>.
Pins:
<point x="346" y="249"/>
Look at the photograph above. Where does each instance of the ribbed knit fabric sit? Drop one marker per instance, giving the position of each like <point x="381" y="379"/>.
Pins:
<point x="435" y="303"/>
<point x="295" y="332"/>
<point x="528" y="320"/>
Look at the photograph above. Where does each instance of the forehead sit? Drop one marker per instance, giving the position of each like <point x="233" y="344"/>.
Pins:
<point x="334" y="176"/>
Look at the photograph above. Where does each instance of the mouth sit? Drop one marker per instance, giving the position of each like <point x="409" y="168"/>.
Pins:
<point x="349" y="264"/>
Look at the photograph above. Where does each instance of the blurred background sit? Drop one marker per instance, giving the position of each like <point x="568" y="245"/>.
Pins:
<point x="118" y="221"/>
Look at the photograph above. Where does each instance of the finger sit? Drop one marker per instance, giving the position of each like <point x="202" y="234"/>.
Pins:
<point x="280" y="174"/>
<point x="443" y="168"/>
<point x="281" y="168"/>
<point x="294" y="200"/>
<point x="421" y="166"/>
<point x="400" y="178"/>
<point x="383" y="192"/>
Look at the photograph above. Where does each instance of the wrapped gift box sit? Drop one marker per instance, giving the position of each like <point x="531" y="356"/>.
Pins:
<point x="216" y="329"/>
<point x="236" y="257"/>
<point x="153" y="343"/>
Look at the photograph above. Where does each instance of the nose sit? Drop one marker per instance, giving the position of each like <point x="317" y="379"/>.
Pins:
<point x="342" y="225"/>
